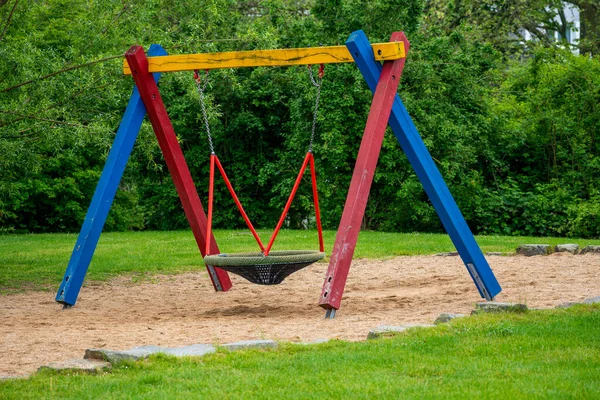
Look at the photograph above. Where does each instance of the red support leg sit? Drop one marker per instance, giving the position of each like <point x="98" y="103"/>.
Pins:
<point x="174" y="158"/>
<point x="356" y="201"/>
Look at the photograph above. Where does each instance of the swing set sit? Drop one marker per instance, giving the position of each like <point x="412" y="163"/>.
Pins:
<point x="266" y="267"/>
<point x="381" y="66"/>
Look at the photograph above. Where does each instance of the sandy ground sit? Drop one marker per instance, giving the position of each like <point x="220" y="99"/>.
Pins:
<point x="183" y="309"/>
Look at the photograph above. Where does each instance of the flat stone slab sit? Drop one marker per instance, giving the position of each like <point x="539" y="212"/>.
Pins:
<point x="591" y="249"/>
<point x="534" y="249"/>
<point x="389" y="331"/>
<point x="8" y="377"/>
<point x="567" y="304"/>
<point x="447" y="254"/>
<point x="498" y="253"/>
<point x="447" y="317"/>
<point x="77" y="364"/>
<point x="498" y="307"/>
<point x="195" y="350"/>
<point x="114" y="356"/>
<point x="315" y="341"/>
<point x="591" y="300"/>
<point x="138" y="353"/>
<point x="250" y="344"/>
<point x="567" y="248"/>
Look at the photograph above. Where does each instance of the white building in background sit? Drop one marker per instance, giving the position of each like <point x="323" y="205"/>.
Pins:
<point x="573" y="30"/>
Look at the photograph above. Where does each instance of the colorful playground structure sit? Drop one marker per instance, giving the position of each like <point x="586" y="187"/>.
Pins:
<point x="381" y="66"/>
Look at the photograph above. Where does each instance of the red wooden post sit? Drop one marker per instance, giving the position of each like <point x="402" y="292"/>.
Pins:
<point x="360" y="185"/>
<point x="174" y="158"/>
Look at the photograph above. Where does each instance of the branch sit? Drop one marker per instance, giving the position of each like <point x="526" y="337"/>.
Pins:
<point x="60" y="103"/>
<point x="123" y="11"/>
<point x="42" y="119"/>
<point x="60" y="72"/>
<point x="8" y="19"/>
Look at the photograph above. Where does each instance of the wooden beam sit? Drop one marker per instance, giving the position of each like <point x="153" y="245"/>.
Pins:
<point x="267" y="58"/>
<point x="362" y="177"/>
<point x="107" y="187"/>
<point x="180" y="173"/>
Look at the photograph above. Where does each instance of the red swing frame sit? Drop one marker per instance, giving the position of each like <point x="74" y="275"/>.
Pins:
<point x="308" y="159"/>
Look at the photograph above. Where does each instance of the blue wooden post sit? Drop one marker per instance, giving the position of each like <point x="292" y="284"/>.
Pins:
<point x="105" y="193"/>
<point x="431" y="179"/>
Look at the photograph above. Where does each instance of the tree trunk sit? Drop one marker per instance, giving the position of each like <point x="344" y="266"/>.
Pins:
<point x="590" y="32"/>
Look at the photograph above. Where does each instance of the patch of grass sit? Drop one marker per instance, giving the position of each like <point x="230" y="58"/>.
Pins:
<point x="540" y="354"/>
<point x="39" y="261"/>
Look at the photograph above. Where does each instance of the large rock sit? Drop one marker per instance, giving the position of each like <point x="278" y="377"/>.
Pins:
<point x="534" y="249"/>
<point x="78" y="364"/>
<point x="389" y="331"/>
<point x="447" y="317"/>
<point x="138" y="353"/>
<point x="115" y="356"/>
<point x="567" y="248"/>
<point x="498" y="307"/>
<point x="250" y="344"/>
<point x="591" y="249"/>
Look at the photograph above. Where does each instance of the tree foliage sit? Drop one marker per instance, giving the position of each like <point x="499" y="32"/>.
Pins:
<point x="517" y="143"/>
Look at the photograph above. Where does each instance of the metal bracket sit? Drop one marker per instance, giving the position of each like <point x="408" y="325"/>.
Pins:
<point x="214" y="277"/>
<point x="330" y="313"/>
<point x="479" y="282"/>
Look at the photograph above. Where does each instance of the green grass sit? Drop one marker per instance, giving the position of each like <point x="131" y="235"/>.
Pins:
<point x="539" y="354"/>
<point x="39" y="261"/>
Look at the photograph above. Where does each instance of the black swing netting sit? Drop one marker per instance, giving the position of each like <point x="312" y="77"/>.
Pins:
<point x="265" y="270"/>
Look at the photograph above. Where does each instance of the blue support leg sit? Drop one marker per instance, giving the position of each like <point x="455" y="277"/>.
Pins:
<point x="105" y="193"/>
<point x="431" y="179"/>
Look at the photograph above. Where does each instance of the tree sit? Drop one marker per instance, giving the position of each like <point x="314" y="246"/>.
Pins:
<point x="590" y="25"/>
<point x="507" y="23"/>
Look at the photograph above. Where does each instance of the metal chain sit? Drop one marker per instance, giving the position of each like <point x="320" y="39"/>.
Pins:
<point x="200" y="86"/>
<point x="316" y="83"/>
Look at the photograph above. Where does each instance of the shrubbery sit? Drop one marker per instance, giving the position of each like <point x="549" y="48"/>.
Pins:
<point x="517" y="141"/>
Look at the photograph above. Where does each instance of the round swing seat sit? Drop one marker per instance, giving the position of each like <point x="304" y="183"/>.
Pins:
<point x="265" y="270"/>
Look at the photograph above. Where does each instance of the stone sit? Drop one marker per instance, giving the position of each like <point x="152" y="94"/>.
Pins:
<point x="250" y="344"/>
<point x="447" y="317"/>
<point x="498" y="307"/>
<point x="592" y="300"/>
<point x="567" y="248"/>
<point x="389" y="331"/>
<point x="138" y="353"/>
<point x="77" y="364"/>
<point x="114" y="356"/>
<point x="591" y="249"/>
<point x="534" y="249"/>
<point x="315" y="341"/>
<point x="447" y="254"/>
<point x="497" y="253"/>
<point x="567" y="304"/>
<point x="8" y="377"/>
<point x="195" y="350"/>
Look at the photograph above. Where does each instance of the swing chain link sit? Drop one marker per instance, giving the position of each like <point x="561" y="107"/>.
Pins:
<point x="201" y="86"/>
<point x="318" y="82"/>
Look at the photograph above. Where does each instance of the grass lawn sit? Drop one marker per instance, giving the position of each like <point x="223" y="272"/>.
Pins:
<point x="38" y="261"/>
<point x="538" y="354"/>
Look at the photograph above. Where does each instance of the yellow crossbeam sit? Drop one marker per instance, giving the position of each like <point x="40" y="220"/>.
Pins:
<point x="266" y="58"/>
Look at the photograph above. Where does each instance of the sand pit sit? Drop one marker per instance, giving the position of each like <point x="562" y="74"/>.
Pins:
<point x="183" y="309"/>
